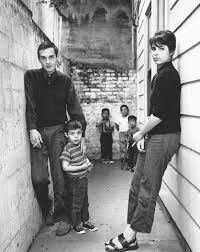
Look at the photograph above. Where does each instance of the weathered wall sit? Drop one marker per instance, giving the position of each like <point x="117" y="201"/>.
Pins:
<point x="19" y="38"/>
<point x="97" y="40"/>
<point x="99" y="88"/>
<point x="98" y="32"/>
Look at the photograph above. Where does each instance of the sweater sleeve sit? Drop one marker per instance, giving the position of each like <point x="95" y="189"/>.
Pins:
<point x="163" y="96"/>
<point x="73" y="105"/>
<point x="31" y="117"/>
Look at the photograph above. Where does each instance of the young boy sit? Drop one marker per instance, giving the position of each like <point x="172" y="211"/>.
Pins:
<point x="122" y="126"/>
<point x="106" y="127"/>
<point x="132" y="149"/>
<point x="77" y="166"/>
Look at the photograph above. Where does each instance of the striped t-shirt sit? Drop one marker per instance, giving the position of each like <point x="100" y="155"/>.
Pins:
<point x="75" y="156"/>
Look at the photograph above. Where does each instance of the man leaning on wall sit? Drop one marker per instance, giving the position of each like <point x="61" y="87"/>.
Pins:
<point x="48" y="93"/>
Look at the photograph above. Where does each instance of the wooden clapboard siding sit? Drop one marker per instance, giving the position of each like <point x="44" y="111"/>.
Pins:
<point x="180" y="190"/>
<point x="142" y="63"/>
<point x="182" y="178"/>
<point x="180" y="12"/>
<point x="190" y="136"/>
<point x="172" y="3"/>
<point x="182" y="163"/>
<point x="187" y="35"/>
<point x="190" y="94"/>
<point x="184" y="191"/>
<point x="188" y="65"/>
<point x="183" y="220"/>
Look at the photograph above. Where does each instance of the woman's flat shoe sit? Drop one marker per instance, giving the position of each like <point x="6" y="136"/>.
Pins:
<point x="123" y="244"/>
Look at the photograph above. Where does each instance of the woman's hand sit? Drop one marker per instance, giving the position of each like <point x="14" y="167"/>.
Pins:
<point x="140" y="145"/>
<point x="139" y="139"/>
<point x="137" y="136"/>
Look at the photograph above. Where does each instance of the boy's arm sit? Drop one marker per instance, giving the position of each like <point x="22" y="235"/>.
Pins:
<point x="76" y="168"/>
<point x="117" y="126"/>
<point x="112" y="125"/>
<point x="99" y="122"/>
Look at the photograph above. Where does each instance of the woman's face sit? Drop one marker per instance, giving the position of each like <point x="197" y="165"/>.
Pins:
<point x="161" y="54"/>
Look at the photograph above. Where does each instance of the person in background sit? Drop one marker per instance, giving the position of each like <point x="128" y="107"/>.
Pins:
<point x="77" y="166"/>
<point x="163" y="139"/>
<point x="48" y="92"/>
<point x="132" y="148"/>
<point x="122" y="126"/>
<point x="106" y="126"/>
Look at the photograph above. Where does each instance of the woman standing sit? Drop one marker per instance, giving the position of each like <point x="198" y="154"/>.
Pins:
<point x="162" y="131"/>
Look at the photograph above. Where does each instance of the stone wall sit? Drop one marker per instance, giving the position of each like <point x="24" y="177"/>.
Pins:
<point x="98" y="32"/>
<point x="99" y="88"/>
<point x="20" y="216"/>
<point x="97" y="39"/>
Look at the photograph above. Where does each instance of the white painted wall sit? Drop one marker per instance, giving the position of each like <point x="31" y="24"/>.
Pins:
<point x="180" y="190"/>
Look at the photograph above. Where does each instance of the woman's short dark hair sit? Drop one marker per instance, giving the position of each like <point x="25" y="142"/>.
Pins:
<point x="124" y="106"/>
<point x="105" y="109"/>
<point x="72" y="125"/>
<point x="164" y="38"/>
<point x="46" y="45"/>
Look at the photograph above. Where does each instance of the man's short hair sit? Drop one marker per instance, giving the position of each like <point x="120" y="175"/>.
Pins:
<point x="124" y="106"/>
<point x="132" y="118"/>
<point x="46" y="45"/>
<point x="105" y="109"/>
<point x="72" y="125"/>
<point x="164" y="38"/>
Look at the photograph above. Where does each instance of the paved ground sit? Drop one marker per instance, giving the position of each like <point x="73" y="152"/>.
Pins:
<point x="108" y="195"/>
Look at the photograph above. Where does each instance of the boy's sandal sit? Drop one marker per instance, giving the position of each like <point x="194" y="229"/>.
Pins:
<point x="122" y="245"/>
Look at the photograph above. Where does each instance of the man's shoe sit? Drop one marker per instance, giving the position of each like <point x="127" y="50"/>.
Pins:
<point x="89" y="226"/>
<point x="79" y="229"/>
<point x="63" y="228"/>
<point x="49" y="220"/>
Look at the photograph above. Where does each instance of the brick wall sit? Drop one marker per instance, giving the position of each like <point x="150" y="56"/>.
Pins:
<point x="20" y="216"/>
<point x="99" y="88"/>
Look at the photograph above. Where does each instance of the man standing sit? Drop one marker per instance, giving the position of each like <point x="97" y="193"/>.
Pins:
<point x="49" y="93"/>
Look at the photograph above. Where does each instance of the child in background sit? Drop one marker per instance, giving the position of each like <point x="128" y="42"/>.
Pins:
<point x="106" y="127"/>
<point x="122" y="126"/>
<point x="77" y="166"/>
<point x="132" y="149"/>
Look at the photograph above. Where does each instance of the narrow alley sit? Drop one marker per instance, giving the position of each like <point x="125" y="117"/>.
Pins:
<point x="108" y="195"/>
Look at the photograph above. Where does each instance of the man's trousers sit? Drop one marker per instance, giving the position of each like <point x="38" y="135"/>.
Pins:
<point x="53" y="144"/>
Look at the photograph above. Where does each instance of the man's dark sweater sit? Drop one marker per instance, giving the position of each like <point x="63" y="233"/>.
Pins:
<point x="48" y="97"/>
<point x="165" y="99"/>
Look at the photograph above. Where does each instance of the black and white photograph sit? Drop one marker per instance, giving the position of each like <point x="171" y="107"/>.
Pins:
<point x="99" y="122"/>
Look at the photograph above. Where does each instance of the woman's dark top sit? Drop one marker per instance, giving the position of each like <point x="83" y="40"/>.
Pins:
<point x="165" y="99"/>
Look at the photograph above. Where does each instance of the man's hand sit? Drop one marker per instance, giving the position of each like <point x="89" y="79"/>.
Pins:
<point x="83" y="145"/>
<point x="35" y="138"/>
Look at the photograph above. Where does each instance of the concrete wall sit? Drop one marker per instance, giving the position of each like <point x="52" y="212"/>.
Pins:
<point x="19" y="38"/>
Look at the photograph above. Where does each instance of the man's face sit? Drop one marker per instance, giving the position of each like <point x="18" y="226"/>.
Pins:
<point x="74" y="136"/>
<point x="161" y="54"/>
<point x="48" y="59"/>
